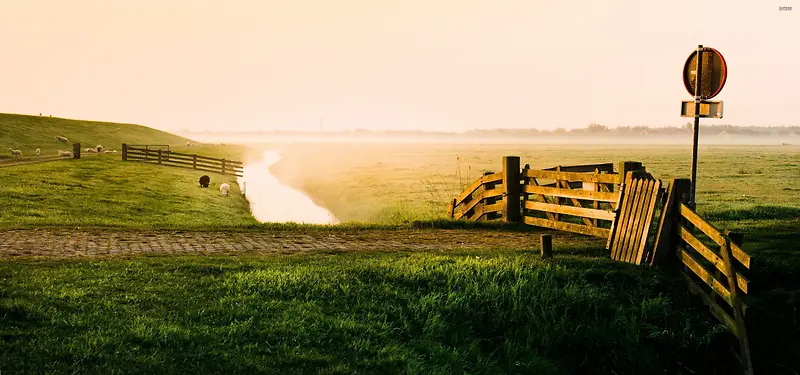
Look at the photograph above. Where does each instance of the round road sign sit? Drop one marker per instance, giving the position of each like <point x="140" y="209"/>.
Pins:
<point x="714" y="72"/>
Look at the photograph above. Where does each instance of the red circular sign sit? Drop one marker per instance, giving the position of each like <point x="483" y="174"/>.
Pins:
<point x="714" y="73"/>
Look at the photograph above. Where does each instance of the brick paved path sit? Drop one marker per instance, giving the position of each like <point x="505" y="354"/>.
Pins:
<point x="53" y="243"/>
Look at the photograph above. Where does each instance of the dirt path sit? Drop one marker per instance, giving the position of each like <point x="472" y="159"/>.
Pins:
<point x="46" y="243"/>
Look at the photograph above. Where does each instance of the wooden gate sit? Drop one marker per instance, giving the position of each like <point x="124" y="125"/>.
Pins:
<point x="630" y="232"/>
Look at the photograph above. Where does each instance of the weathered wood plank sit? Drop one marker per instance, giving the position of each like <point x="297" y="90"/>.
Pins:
<point x="570" y="193"/>
<point x="714" y="234"/>
<point x="666" y="239"/>
<point x="704" y="275"/>
<point x="623" y="229"/>
<point x="603" y="167"/>
<point x="717" y="311"/>
<point x="709" y="255"/>
<point x="617" y="211"/>
<point x="568" y="227"/>
<point x="575" y="202"/>
<point x="497" y="207"/>
<point x="570" y="210"/>
<point x="471" y="204"/>
<point x="655" y="192"/>
<point x="492" y="177"/>
<point x="637" y="221"/>
<point x="491" y="193"/>
<point x="571" y="176"/>
<point x="469" y="190"/>
<point x="544" y="198"/>
<point x="736" y="303"/>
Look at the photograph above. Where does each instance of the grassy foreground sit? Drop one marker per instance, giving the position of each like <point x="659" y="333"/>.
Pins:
<point x="481" y="312"/>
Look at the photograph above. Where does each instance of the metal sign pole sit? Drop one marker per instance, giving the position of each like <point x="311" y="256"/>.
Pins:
<point x="696" y="130"/>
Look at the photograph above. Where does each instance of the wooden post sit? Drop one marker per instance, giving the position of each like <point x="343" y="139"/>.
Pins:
<point x="625" y="167"/>
<point x="546" y="242"/>
<point x="667" y="234"/>
<point x="194" y="161"/>
<point x="223" y="166"/>
<point x="511" y="206"/>
<point x="738" y="312"/>
<point x="124" y="152"/>
<point x="76" y="150"/>
<point x="451" y="212"/>
<point x="159" y="156"/>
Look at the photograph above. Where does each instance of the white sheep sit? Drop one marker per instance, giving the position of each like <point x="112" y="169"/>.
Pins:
<point x="90" y="150"/>
<point x="38" y="152"/>
<point x="99" y="148"/>
<point x="16" y="154"/>
<point x="66" y="153"/>
<point x="224" y="189"/>
<point x="62" y="139"/>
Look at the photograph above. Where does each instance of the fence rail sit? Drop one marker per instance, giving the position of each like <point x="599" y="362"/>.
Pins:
<point x="156" y="154"/>
<point x="715" y="275"/>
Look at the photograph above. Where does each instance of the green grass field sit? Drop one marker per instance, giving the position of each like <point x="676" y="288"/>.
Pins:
<point x="390" y="183"/>
<point x="378" y="312"/>
<point x="478" y="312"/>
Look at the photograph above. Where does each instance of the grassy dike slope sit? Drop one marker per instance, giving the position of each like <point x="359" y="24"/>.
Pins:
<point x="101" y="190"/>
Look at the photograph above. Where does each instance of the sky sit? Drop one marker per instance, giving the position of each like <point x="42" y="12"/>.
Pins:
<point x="443" y="65"/>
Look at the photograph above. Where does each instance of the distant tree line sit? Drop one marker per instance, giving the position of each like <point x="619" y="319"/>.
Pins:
<point x="594" y="130"/>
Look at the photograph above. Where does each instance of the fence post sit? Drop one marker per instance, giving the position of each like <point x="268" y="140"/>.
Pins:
<point x="76" y="150"/>
<point x="223" y="166"/>
<point x="668" y="227"/>
<point x="194" y="161"/>
<point x="546" y="242"/>
<point x="625" y="167"/>
<point x="511" y="205"/>
<point x="451" y="211"/>
<point x="124" y="152"/>
<point x="738" y="312"/>
<point x="159" y="156"/>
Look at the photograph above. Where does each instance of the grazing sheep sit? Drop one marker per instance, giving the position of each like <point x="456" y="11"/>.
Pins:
<point x="62" y="139"/>
<point x="66" y="153"/>
<point x="38" y="152"/>
<point x="204" y="181"/>
<point x="90" y="150"/>
<point x="99" y="148"/>
<point x="16" y="154"/>
<point x="224" y="189"/>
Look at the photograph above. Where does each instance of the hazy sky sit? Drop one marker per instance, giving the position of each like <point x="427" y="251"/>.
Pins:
<point x="448" y="65"/>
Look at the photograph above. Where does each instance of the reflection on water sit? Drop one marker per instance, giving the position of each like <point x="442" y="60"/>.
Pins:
<point x="271" y="201"/>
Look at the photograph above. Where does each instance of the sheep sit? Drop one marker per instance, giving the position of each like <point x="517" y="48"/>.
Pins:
<point x="66" y="153"/>
<point x="90" y="150"/>
<point x="224" y="189"/>
<point x="38" y="152"/>
<point x="204" y="181"/>
<point x="62" y="139"/>
<point x="16" y="154"/>
<point x="99" y="148"/>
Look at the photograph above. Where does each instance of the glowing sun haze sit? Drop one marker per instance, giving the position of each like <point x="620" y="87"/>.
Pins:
<point x="448" y="65"/>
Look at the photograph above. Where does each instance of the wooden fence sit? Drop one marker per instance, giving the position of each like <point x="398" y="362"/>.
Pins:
<point x="160" y="156"/>
<point x="717" y="276"/>
<point x="570" y="201"/>
<point x="580" y="199"/>
<point x="597" y="202"/>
